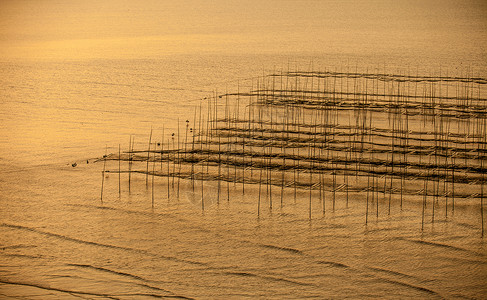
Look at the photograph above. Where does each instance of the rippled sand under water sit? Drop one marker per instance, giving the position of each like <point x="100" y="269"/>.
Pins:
<point x="64" y="243"/>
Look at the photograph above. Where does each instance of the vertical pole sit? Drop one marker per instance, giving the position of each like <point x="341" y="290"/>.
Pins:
<point x="310" y="178"/>
<point x="168" y="171"/>
<point x="260" y="191"/>
<point x="130" y="160"/>
<point x="179" y="159"/>
<point x="148" y="156"/>
<point x="119" y="188"/>
<point x="152" y="183"/>
<point x="103" y="174"/>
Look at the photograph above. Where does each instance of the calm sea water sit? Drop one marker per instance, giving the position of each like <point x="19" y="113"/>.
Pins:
<point x="78" y="77"/>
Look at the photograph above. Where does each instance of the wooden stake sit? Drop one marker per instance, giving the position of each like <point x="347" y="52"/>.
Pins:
<point x="168" y="171"/>
<point x="260" y="189"/>
<point x="130" y="159"/>
<point x="103" y="174"/>
<point x="179" y="160"/>
<point x="152" y="183"/>
<point x="119" y="188"/>
<point x="148" y="156"/>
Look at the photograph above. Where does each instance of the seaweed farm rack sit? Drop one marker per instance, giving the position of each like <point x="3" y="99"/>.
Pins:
<point x="383" y="136"/>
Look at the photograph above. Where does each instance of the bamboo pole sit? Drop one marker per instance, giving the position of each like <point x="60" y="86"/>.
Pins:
<point x="162" y="147"/>
<point x="168" y="171"/>
<point x="148" y="154"/>
<point x="484" y="134"/>
<point x="119" y="174"/>
<point x="179" y="159"/>
<point x="260" y="192"/>
<point x="310" y="178"/>
<point x="152" y="183"/>
<point x="103" y="174"/>
<point x="283" y="160"/>
<point x="130" y="159"/>
<point x="193" y="129"/>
